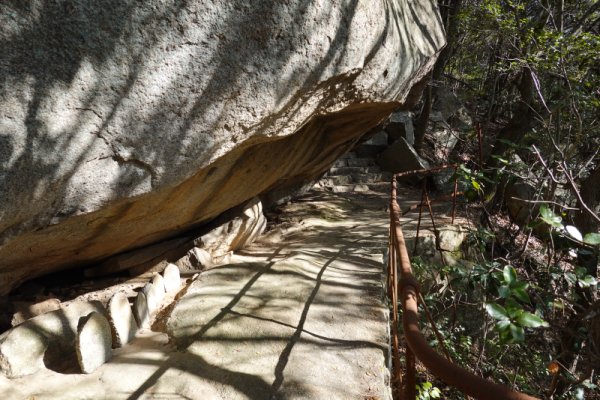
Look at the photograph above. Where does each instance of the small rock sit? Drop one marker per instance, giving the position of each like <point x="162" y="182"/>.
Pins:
<point x="451" y="237"/>
<point x="171" y="278"/>
<point x="94" y="342"/>
<point x="202" y="257"/>
<point x="140" y="310"/>
<point x="121" y="319"/>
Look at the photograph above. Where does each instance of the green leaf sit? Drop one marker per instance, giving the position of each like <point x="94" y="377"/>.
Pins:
<point x="592" y="238"/>
<point x="510" y="275"/>
<point x="476" y="185"/>
<point x="521" y="295"/>
<point x="571" y="277"/>
<point x="587" y="281"/>
<point x="496" y="311"/>
<point x="548" y="216"/>
<point x="513" y="308"/>
<point x="502" y="160"/>
<point x="517" y="333"/>
<point x="504" y="291"/>
<point x="503" y="325"/>
<point x="530" y="320"/>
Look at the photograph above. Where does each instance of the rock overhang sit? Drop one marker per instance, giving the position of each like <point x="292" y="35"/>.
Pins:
<point x="141" y="120"/>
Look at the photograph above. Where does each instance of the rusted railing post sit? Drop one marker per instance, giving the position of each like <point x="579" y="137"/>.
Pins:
<point x="435" y="231"/>
<point x="480" y="140"/>
<point x="420" y="216"/>
<point x="454" y="195"/>
<point x="393" y="283"/>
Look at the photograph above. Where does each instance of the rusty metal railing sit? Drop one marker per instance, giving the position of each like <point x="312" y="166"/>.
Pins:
<point x="404" y="287"/>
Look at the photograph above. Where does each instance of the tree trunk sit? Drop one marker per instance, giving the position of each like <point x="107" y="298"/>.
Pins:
<point x="590" y="194"/>
<point x="422" y="119"/>
<point x="520" y="123"/>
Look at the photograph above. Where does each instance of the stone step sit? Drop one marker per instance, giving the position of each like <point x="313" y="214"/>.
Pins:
<point x="368" y="150"/>
<point x="349" y="188"/>
<point x="339" y="163"/>
<point x="356" y="178"/>
<point x="380" y="138"/>
<point x="336" y="180"/>
<point x="371" y="177"/>
<point x="360" y="162"/>
<point x="354" y="170"/>
<point x="348" y="155"/>
<point x="380" y="187"/>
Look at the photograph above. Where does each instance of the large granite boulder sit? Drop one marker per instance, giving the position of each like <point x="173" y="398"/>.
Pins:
<point x="123" y="123"/>
<point x="401" y="157"/>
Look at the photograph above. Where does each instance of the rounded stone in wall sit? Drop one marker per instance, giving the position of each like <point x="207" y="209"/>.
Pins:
<point x="121" y="319"/>
<point x="172" y="278"/>
<point x="93" y="342"/>
<point x="140" y="310"/>
<point x="159" y="282"/>
<point x="153" y="298"/>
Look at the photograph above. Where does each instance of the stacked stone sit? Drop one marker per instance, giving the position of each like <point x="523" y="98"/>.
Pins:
<point x="94" y="329"/>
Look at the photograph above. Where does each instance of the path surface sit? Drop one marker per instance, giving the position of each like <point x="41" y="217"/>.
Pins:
<point x="299" y="315"/>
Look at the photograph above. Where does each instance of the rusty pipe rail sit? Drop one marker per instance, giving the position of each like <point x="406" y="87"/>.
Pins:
<point x="407" y="286"/>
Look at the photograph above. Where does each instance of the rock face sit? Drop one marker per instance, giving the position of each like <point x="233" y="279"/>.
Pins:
<point x="401" y="157"/>
<point x="401" y="126"/>
<point x="125" y="123"/>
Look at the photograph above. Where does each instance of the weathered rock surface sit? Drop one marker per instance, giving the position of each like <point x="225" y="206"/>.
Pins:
<point x="401" y="125"/>
<point x="517" y="198"/>
<point x="401" y="157"/>
<point x="46" y="340"/>
<point x="125" y="123"/>
<point x="201" y="257"/>
<point x="94" y="342"/>
<point x="236" y="233"/>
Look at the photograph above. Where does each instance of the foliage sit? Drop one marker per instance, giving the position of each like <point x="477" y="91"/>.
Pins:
<point x="426" y="391"/>
<point x="529" y="74"/>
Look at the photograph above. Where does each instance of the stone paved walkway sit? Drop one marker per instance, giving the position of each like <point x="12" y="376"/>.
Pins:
<point x="299" y="315"/>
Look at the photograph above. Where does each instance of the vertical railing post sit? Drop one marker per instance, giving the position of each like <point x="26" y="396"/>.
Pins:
<point x="420" y="216"/>
<point x="454" y="195"/>
<point x="393" y="282"/>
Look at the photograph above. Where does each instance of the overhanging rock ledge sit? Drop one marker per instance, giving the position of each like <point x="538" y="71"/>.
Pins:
<point x="123" y="123"/>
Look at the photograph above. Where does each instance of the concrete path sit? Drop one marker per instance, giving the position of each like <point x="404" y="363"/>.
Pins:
<point x="298" y="316"/>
